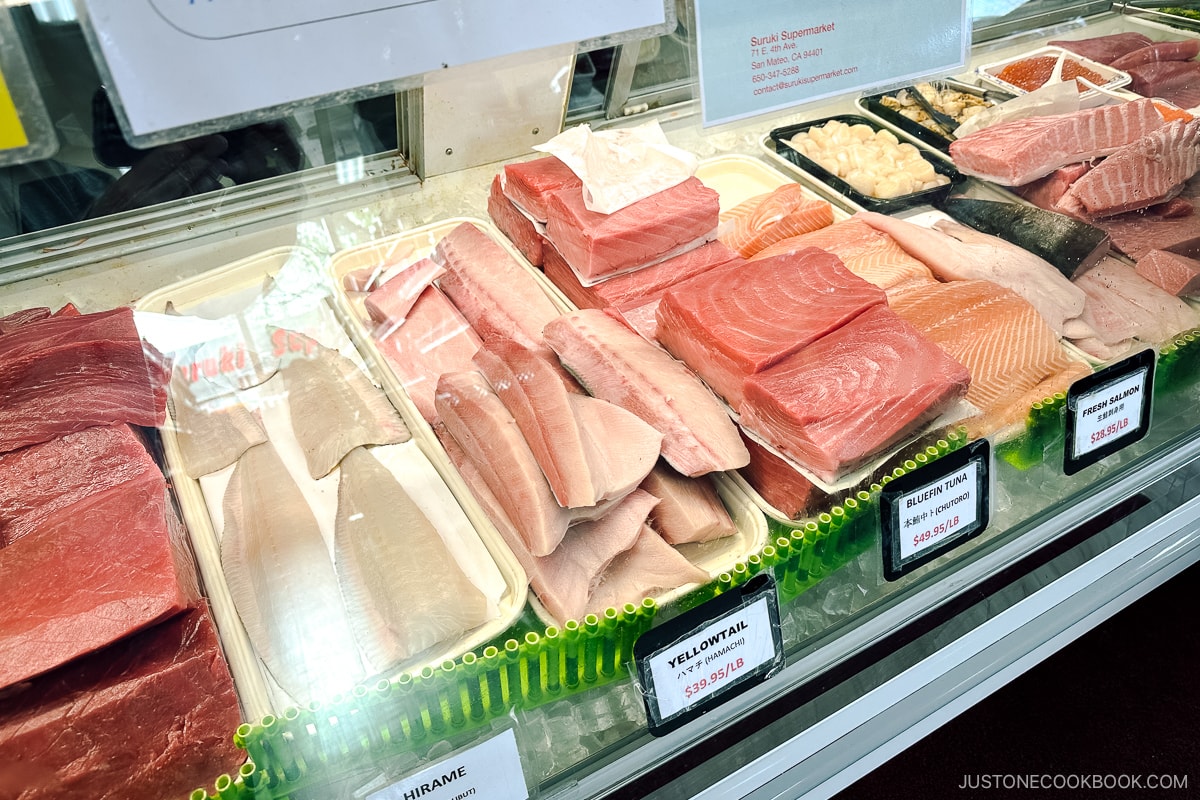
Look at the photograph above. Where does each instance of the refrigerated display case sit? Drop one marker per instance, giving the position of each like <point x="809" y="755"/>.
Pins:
<point x="872" y="652"/>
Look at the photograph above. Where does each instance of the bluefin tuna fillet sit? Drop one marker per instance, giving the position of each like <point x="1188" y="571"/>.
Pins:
<point x="1149" y="171"/>
<point x="334" y="408"/>
<point x="496" y="294"/>
<point x="404" y="590"/>
<point x="616" y="364"/>
<point x="435" y="338"/>
<point x="510" y="220"/>
<point x="149" y="715"/>
<point x="1017" y="152"/>
<point x="118" y="563"/>
<point x="40" y="484"/>
<point x="529" y="184"/>
<point x="739" y="319"/>
<point x="11" y="322"/>
<point x="66" y="373"/>
<point x="1106" y="48"/>
<point x="778" y="483"/>
<point x="589" y="449"/>
<point x="282" y="581"/>
<point x="852" y="394"/>
<point x="653" y="229"/>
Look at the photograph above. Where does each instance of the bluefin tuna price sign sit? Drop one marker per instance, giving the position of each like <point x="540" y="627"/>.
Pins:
<point x="935" y="508"/>
<point x="769" y="55"/>
<point x="710" y="653"/>
<point x="491" y="769"/>
<point x="1108" y="411"/>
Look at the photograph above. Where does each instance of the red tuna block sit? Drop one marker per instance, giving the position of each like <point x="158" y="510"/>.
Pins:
<point x="16" y="319"/>
<point x="42" y="482"/>
<point x="513" y="223"/>
<point x="742" y="318"/>
<point x="656" y="227"/>
<point x="66" y="373"/>
<point x="529" y="183"/>
<point x="634" y="289"/>
<point x="778" y="483"/>
<point x="852" y="394"/>
<point x="1172" y="273"/>
<point x="117" y="563"/>
<point x="150" y="716"/>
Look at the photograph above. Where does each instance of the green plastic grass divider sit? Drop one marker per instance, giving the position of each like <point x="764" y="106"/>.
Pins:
<point x="1178" y="363"/>
<point x="1045" y="427"/>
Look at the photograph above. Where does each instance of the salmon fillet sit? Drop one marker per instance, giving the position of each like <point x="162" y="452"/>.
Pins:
<point x="767" y="218"/>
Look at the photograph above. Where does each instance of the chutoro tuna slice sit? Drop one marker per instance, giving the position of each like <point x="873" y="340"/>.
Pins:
<point x="589" y="449"/>
<point x="852" y="394"/>
<point x="739" y="319"/>
<point x="403" y="588"/>
<point x="335" y="408"/>
<point x="282" y="581"/>
<point x="615" y="363"/>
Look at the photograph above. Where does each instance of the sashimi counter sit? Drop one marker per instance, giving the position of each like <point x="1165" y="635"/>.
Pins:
<point x="363" y="506"/>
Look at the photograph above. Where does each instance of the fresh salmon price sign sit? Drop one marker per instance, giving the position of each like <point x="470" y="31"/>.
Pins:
<point x="936" y="507"/>
<point x="708" y="654"/>
<point x="1108" y="411"/>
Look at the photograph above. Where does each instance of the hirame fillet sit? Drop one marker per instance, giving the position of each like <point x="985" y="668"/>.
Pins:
<point x="485" y="429"/>
<point x="689" y="509"/>
<point x="211" y="434"/>
<point x="496" y="294"/>
<point x="590" y="450"/>
<point x="1014" y="358"/>
<point x="404" y="590"/>
<point x="739" y="319"/>
<point x="767" y="218"/>
<point x="852" y="394"/>
<point x="615" y="363"/>
<point x="335" y="408"/>
<point x="434" y="338"/>
<point x="282" y="580"/>
<point x="649" y="567"/>
<point x="956" y="252"/>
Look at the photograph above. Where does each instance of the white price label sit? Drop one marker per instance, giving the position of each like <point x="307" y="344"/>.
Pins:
<point x="1109" y="413"/>
<point x="936" y="512"/>
<point x="491" y="769"/>
<point x="716" y="657"/>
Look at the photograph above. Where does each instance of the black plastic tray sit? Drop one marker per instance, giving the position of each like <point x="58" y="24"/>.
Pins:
<point x="780" y="136"/>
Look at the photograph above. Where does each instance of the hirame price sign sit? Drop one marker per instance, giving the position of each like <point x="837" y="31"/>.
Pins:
<point x="934" y="508"/>
<point x="1108" y="411"/>
<point x="708" y="654"/>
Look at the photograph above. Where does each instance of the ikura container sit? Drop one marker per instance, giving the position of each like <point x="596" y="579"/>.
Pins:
<point x="1039" y="66"/>
<point x="853" y="158"/>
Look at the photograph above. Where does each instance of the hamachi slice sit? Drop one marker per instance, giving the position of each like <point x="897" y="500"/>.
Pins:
<point x="389" y="303"/>
<point x="211" y="434"/>
<point x="589" y="449"/>
<point x="282" y="580"/>
<point x="767" y="218"/>
<point x="496" y="294"/>
<point x="1159" y="315"/>
<point x="404" y="590"/>
<point x="689" y="509"/>
<point x="485" y="429"/>
<point x="852" y="394"/>
<point x="649" y="567"/>
<point x="435" y="338"/>
<point x="615" y="363"/>
<point x="335" y="408"/>
<point x="956" y="252"/>
<point x="739" y="319"/>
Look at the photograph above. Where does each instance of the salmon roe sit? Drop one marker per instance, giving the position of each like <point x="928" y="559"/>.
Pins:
<point x="1031" y="73"/>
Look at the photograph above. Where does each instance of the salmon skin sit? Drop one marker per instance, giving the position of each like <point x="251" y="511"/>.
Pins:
<point x="1071" y="246"/>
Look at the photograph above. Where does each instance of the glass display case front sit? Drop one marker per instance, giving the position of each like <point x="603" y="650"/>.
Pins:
<point x="615" y="456"/>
